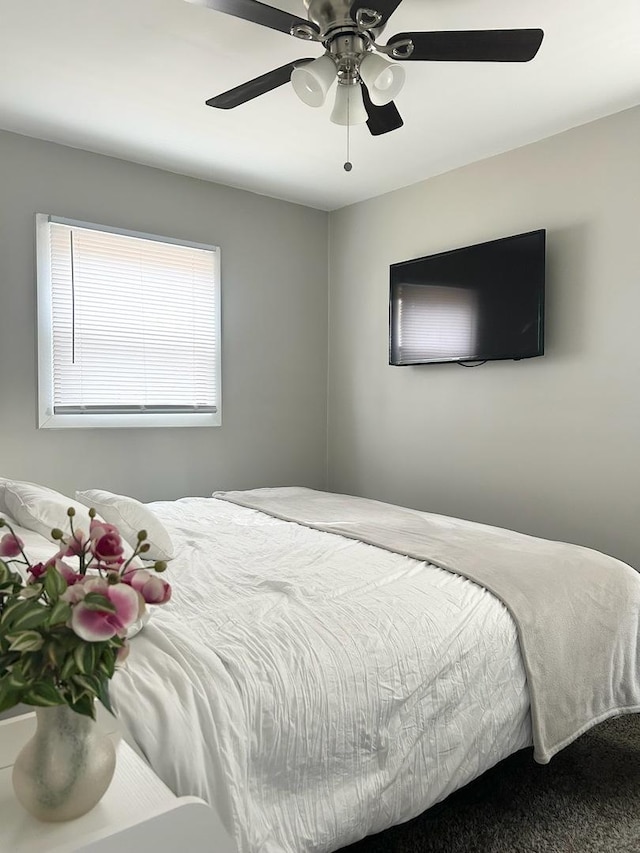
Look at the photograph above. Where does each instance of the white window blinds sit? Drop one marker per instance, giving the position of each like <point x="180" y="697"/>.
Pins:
<point x="134" y="324"/>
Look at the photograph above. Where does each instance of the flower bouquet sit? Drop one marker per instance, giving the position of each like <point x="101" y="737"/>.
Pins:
<point x="63" y="630"/>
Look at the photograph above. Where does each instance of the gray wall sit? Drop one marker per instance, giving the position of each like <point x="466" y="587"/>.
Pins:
<point x="548" y="446"/>
<point x="274" y="331"/>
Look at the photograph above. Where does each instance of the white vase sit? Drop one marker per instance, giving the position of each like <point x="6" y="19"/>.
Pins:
<point x="66" y="767"/>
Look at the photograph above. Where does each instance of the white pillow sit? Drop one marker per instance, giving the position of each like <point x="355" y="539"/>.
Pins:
<point x="130" y="515"/>
<point x="40" y="509"/>
<point x="3" y="505"/>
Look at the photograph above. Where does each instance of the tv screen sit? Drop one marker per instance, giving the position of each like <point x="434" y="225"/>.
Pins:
<point x="479" y="303"/>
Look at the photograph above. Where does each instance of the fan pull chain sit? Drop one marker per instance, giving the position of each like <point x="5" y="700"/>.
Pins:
<point x="348" y="166"/>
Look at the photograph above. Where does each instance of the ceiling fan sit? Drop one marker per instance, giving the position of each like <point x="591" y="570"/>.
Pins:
<point x="367" y="81"/>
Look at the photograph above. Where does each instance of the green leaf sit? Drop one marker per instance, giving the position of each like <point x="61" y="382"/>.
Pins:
<point x="44" y="695"/>
<point x="31" y="665"/>
<point x="103" y="694"/>
<point x="96" y="601"/>
<point x="69" y="668"/>
<point x="9" y="696"/>
<point x="7" y="660"/>
<point x="25" y="641"/>
<point x="32" y="590"/>
<point x="6" y="572"/>
<point x="15" y="606"/>
<point x="85" y="705"/>
<point x="55" y="654"/>
<point x="33" y="616"/>
<point x="75" y="691"/>
<point x="67" y="638"/>
<point x="107" y="663"/>
<point x="88" y="683"/>
<point x="86" y="658"/>
<point x="54" y="583"/>
<point x="21" y="615"/>
<point x="17" y="679"/>
<point x="11" y="591"/>
<point x="60" y="613"/>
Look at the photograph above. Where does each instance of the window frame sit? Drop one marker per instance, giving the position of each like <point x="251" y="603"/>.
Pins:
<point x="47" y="418"/>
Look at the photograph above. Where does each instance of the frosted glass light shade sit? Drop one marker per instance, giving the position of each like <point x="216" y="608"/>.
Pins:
<point x="349" y="106"/>
<point x="383" y="79"/>
<point x="311" y="82"/>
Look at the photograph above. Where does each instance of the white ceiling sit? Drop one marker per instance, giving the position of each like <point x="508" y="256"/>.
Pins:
<point x="129" y="78"/>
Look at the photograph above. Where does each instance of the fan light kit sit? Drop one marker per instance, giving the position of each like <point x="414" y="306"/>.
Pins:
<point x="356" y="66"/>
<point x="368" y="74"/>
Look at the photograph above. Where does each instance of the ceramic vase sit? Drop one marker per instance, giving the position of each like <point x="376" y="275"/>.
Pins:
<point x="66" y="767"/>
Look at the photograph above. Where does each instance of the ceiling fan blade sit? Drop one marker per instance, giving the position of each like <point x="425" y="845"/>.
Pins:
<point x="385" y="7"/>
<point x="381" y="119"/>
<point x="259" y="13"/>
<point x="472" y="46"/>
<point x="258" y="86"/>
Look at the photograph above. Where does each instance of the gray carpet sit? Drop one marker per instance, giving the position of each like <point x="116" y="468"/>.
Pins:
<point x="586" y="800"/>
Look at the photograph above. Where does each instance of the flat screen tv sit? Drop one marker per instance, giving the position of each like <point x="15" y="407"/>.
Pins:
<point x="478" y="303"/>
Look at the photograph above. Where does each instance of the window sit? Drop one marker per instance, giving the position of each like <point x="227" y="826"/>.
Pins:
<point x="128" y="328"/>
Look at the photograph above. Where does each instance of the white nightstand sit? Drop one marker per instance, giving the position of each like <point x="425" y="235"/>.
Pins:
<point x="137" y="805"/>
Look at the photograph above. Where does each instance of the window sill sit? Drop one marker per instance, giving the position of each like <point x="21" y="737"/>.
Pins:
<point x="131" y="421"/>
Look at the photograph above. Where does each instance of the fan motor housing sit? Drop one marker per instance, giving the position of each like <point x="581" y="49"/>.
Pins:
<point x="333" y="14"/>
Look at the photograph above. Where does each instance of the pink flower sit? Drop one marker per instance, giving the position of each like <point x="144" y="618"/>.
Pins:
<point x="96" y="625"/>
<point x="96" y="524"/>
<point x="40" y="569"/>
<point x="153" y="589"/>
<point x="106" y="544"/>
<point x="37" y="571"/>
<point x="73" y="594"/>
<point x="65" y="570"/>
<point x="75" y="545"/>
<point x="10" y="545"/>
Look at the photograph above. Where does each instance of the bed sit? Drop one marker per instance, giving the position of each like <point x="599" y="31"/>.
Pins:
<point x="329" y="666"/>
<point x="318" y="678"/>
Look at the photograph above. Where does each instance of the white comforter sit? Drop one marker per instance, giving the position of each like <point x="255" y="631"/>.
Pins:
<point x="314" y="688"/>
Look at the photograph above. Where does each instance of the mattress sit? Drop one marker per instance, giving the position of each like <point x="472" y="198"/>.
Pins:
<point x="316" y="689"/>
